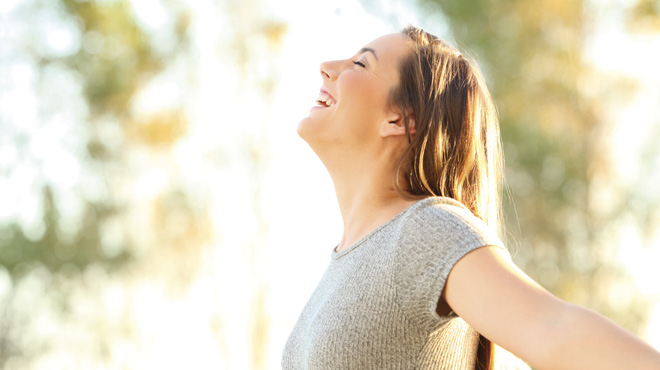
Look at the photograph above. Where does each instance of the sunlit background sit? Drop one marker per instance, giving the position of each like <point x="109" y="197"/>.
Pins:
<point x="158" y="211"/>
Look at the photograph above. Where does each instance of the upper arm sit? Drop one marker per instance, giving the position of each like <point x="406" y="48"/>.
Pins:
<point x="501" y="302"/>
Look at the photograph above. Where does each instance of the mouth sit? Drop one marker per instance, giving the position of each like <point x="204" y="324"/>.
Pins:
<point x="325" y="100"/>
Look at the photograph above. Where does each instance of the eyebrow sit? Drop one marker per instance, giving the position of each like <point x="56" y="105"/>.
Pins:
<point x="364" y="50"/>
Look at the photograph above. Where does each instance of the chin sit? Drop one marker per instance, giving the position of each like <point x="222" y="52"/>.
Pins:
<point x="307" y="129"/>
<point x="301" y="128"/>
<point x="319" y="134"/>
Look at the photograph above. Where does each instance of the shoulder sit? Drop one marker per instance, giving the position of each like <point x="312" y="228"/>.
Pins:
<point x="434" y="234"/>
<point x="445" y="220"/>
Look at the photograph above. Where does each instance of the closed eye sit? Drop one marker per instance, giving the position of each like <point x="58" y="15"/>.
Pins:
<point x="359" y="63"/>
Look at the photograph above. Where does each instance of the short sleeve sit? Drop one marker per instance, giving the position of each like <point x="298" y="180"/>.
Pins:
<point x="433" y="237"/>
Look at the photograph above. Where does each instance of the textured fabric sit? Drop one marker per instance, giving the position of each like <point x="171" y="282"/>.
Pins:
<point x="375" y="306"/>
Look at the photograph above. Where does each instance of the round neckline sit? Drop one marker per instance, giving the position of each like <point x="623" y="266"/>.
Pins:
<point x="336" y="255"/>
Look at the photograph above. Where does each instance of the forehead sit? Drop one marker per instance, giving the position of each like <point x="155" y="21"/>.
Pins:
<point x="390" y="48"/>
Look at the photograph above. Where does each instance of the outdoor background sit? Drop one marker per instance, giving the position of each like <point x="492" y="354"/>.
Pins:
<point x="158" y="210"/>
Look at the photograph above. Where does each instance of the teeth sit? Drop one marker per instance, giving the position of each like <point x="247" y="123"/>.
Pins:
<point x="326" y="99"/>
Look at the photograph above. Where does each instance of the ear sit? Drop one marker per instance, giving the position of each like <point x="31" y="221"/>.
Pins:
<point x="394" y="125"/>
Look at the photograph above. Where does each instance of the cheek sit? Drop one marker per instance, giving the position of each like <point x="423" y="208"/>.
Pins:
<point x="357" y="86"/>
<point x="363" y="98"/>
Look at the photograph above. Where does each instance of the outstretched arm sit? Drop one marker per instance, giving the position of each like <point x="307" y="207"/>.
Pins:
<point x="502" y="303"/>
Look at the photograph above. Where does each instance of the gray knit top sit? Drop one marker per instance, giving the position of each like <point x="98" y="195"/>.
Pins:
<point x="375" y="306"/>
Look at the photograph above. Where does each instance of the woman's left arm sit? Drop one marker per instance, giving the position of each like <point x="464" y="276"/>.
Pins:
<point x="501" y="302"/>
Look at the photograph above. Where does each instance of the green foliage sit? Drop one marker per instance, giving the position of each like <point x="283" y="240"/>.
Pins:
<point x="645" y="16"/>
<point x="112" y="59"/>
<point x="115" y="55"/>
<point x="18" y="252"/>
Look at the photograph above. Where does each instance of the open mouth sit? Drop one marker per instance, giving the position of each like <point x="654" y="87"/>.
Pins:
<point x="325" y="100"/>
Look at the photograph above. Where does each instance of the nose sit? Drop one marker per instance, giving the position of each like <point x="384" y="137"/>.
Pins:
<point x="330" y="70"/>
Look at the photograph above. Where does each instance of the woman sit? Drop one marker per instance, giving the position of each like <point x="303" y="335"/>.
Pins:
<point x="420" y="279"/>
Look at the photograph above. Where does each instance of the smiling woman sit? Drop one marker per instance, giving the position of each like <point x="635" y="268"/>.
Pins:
<point x="420" y="278"/>
<point x="355" y="96"/>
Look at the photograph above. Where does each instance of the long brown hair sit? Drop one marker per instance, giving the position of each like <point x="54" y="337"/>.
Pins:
<point x="456" y="149"/>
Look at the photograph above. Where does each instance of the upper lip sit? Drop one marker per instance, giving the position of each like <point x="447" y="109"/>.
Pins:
<point x="324" y="90"/>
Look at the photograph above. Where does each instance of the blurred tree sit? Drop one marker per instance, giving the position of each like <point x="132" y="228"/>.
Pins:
<point x="257" y="40"/>
<point x="644" y="16"/>
<point x="111" y="57"/>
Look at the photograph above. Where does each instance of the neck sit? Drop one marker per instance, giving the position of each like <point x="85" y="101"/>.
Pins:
<point x="366" y="197"/>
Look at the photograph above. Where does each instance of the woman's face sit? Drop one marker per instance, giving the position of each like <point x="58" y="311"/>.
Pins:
<point x="352" y="104"/>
